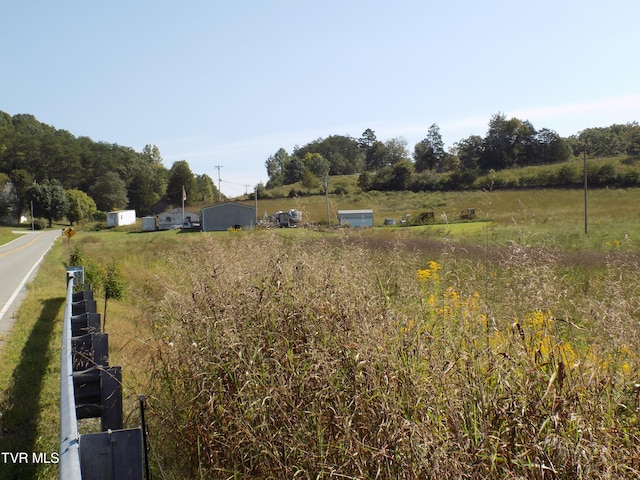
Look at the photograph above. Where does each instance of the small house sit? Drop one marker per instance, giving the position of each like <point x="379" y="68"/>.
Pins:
<point x="223" y="216"/>
<point x="355" y="218"/>
<point x="176" y="218"/>
<point x="119" y="218"/>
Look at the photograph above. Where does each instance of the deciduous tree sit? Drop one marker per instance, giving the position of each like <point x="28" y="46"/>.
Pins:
<point x="50" y="201"/>
<point x="109" y="192"/>
<point x="317" y="164"/>
<point x="181" y="179"/>
<point x="293" y="170"/>
<point x="469" y="151"/>
<point x="428" y="154"/>
<point x="81" y="206"/>
<point x="275" y="165"/>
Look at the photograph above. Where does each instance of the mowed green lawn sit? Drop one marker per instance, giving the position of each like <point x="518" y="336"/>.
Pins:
<point x="554" y="215"/>
<point x="6" y="235"/>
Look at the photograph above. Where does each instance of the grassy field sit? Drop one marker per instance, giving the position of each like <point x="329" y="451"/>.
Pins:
<point x="6" y="235"/>
<point x="506" y="347"/>
<point x="555" y="215"/>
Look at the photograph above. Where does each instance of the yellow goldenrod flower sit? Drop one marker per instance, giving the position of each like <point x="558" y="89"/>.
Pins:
<point x="424" y="275"/>
<point x="626" y="369"/>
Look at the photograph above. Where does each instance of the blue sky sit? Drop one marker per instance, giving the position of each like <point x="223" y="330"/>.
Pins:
<point x="229" y="83"/>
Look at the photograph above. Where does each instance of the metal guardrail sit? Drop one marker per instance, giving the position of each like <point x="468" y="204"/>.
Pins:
<point x="90" y="388"/>
<point x="69" y="463"/>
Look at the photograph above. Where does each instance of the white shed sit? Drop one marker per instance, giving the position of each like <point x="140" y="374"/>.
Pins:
<point x="149" y="224"/>
<point x="119" y="218"/>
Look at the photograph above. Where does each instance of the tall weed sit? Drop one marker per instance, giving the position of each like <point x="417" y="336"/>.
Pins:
<point x="277" y="358"/>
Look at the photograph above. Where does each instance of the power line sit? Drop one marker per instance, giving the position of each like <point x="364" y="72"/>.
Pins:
<point x="234" y="183"/>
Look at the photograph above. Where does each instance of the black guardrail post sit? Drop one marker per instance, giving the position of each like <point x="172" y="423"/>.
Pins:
<point x="91" y="388"/>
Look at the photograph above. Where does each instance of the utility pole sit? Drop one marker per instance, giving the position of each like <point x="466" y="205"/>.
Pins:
<point x="586" y="210"/>
<point x="256" y="199"/>
<point x="219" y="167"/>
<point x="326" y="195"/>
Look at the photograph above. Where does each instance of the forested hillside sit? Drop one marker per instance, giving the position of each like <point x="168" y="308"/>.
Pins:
<point x="389" y="165"/>
<point x="68" y="176"/>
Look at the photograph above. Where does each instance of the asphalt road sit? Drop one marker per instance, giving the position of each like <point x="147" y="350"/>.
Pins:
<point x="19" y="261"/>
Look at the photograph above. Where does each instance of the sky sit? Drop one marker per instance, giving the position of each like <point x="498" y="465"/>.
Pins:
<point x="227" y="84"/>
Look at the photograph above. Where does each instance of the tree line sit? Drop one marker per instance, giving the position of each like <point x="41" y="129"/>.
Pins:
<point x="61" y="175"/>
<point x="508" y="143"/>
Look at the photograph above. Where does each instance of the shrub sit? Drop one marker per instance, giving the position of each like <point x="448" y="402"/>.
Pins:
<point x="40" y="223"/>
<point x="114" y="284"/>
<point x="341" y="189"/>
<point x="569" y="174"/>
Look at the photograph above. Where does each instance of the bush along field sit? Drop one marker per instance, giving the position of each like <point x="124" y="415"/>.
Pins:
<point x="352" y="356"/>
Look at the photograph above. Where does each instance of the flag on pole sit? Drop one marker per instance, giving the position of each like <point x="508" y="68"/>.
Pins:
<point x="184" y="197"/>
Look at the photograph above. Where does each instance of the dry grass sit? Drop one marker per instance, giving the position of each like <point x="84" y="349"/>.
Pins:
<point x="277" y="358"/>
<point x="347" y="354"/>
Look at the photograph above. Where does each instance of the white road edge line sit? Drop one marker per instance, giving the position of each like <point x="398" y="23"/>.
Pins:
<point x="22" y="283"/>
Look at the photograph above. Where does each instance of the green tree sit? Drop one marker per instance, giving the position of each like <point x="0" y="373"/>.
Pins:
<point x="142" y="191"/>
<point x="181" y="179"/>
<point x="526" y="145"/>
<point x="396" y="151"/>
<point x="502" y="142"/>
<point x="317" y="164"/>
<point x="365" y="181"/>
<point x="342" y="152"/>
<point x="152" y="155"/>
<point x="309" y="180"/>
<point x="367" y="139"/>
<point x="377" y="156"/>
<point x="428" y="154"/>
<point x="50" y="201"/>
<point x="375" y="151"/>
<point x="275" y="165"/>
<point x="602" y="141"/>
<point x="633" y="147"/>
<point x="469" y="151"/>
<point x="144" y="175"/>
<point x="551" y="147"/>
<point x="401" y="175"/>
<point x="81" y="206"/>
<point x="260" y="190"/>
<point x="21" y="180"/>
<point x="6" y="194"/>
<point x="206" y="189"/>
<point x="109" y="192"/>
<point x="293" y="170"/>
